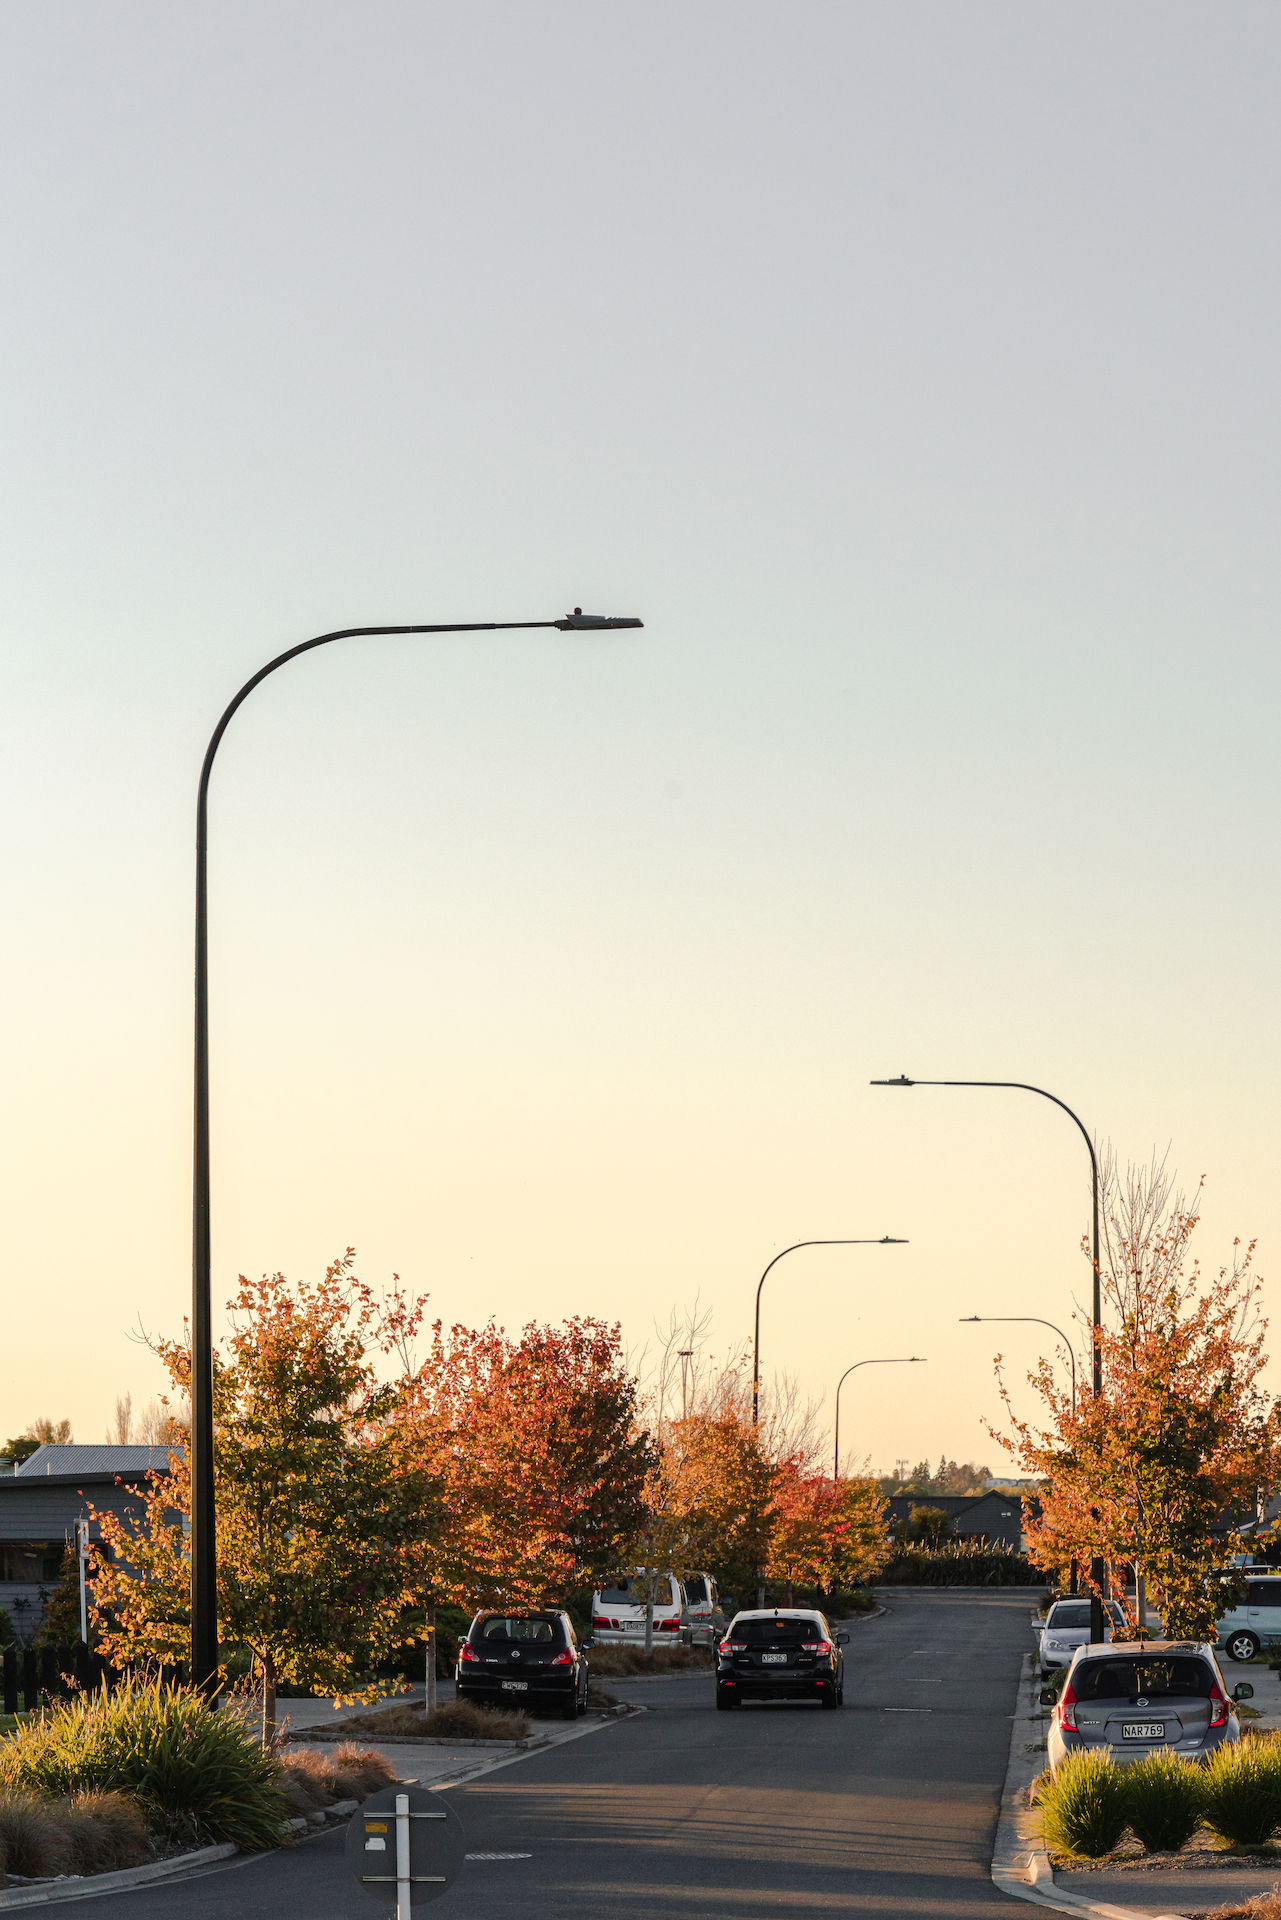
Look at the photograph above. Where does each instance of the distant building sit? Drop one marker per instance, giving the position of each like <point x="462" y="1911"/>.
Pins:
<point x="41" y="1503"/>
<point x="996" y="1516"/>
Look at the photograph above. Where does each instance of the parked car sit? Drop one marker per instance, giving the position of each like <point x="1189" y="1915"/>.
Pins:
<point x="618" y="1611"/>
<point x="1254" y="1622"/>
<point x="1138" y="1695"/>
<point x="707" y="1621"/>
<point x="520" y="1659"/>
<point x="1067" y="1627"/>
<point x="782" y="1654"/>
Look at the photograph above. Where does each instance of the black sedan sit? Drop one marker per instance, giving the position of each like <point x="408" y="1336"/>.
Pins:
<point x="782" y="1654"/>
<point x="517" y="1659"/>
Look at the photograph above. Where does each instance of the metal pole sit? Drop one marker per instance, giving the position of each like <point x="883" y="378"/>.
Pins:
<point x="204" y="1571"/>
<point x="1097" y="1568"/>
<point x="1026" y="1320"/>
<point x="82" y="1554"/>
<point x="884" y="1241"/>
<point x="402" y="1857"/>
<point x="910" y="1360"/>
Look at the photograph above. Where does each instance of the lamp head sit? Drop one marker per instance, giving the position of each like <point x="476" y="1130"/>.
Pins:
<point x="916" y="1360"/>
<point x="902" y="1080"/>
<point x="888" y="1240"/>
<point x="966" y="1318"/>
<point x="578" y="622"/>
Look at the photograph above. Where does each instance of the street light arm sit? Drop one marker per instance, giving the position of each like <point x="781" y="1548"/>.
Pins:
<point x="884" y="1241"/>
<point x="896" y="1360"/>
<point x="1026" y="1320"/>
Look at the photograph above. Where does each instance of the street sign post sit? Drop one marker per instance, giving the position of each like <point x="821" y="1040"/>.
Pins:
<point x="405" y="1847"/>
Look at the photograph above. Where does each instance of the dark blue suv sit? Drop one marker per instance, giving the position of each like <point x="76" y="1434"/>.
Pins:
<point x="782" y="1654"/>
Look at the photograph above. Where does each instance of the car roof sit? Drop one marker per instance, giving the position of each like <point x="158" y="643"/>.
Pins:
<point x="779" y="1613"/>
<point x="1143" y="1647"/>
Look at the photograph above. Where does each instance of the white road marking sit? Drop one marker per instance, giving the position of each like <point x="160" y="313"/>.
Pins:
<point x="498" y="1856"/>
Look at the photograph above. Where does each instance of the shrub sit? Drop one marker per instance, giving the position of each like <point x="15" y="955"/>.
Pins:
<point x="1163" y="1798"/>
<point x="198" y="1774"/>
<point x="310" y="1777"/>
<point x="91" y="1833"/>
<point x="1083" y="1807"/>
<point x="1241" y="1788"/>
<point x="613" y="1663"/>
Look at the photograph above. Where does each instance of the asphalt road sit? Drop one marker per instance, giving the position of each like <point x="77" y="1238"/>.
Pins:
<point x="886" y="1807"/>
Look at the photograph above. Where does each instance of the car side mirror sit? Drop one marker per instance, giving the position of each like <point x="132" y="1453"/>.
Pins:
<point x="842" y="1639"/>
<point x="1243" y="1691"/>
<point x="1047" y="1696"/>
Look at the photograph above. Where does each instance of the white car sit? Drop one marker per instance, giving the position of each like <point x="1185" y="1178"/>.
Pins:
<point x="1067" y="1627"/>
<point x="618" y="1611"/>
<point x="706" y="1617"/>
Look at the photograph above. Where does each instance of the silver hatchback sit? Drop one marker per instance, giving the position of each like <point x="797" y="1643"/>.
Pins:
<point x="1140" y="1695"/>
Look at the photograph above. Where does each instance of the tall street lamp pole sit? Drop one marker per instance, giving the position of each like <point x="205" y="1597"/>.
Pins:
<point x="1097" y="1569"/>
<point x="909" y="1360"/>
<point x="204" y="1572"/>
<point x="885" y="1241"/>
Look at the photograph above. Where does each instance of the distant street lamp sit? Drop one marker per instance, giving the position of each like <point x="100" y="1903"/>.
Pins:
<point x="204" y="1574"/>
<point x="885" y="1241"/>
<point x="1097" y="1568"/>
<point x="911" y="1360"/>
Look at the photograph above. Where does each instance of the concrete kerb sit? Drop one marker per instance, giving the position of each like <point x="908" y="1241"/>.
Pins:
<point x="1020" y="1864"/>
<point x="47" y="1893"/>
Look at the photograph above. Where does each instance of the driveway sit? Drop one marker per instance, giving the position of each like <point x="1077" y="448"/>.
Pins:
<point x="887" y="1807"/>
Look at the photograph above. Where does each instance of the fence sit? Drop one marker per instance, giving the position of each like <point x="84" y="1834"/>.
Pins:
<point x="38" y="1675"/>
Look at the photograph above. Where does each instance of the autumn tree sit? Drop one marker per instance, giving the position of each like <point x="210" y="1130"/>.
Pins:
<point x="315" y="1496"/>
<point x="1182" y="1436"/>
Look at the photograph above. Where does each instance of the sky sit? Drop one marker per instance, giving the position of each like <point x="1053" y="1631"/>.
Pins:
<point x="910" y="369"/>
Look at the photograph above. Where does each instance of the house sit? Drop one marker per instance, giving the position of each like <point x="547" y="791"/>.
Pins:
<point x="997" y="1516"/>
<point x="42" y="1501"/>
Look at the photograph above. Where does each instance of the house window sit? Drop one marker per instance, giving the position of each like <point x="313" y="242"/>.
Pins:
<point x="31" y="1562"/>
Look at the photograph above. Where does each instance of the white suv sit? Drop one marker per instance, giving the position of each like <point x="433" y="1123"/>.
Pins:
<point x="618" y="1611"/>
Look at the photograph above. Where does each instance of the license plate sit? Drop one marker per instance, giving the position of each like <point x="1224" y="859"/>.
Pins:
<point x="515" y="1686"/>
<point x="774" y="1659"/>
<point x="1143" y="1730"/>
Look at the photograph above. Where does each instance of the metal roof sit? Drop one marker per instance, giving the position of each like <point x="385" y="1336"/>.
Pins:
<point x="105" y="1459"/>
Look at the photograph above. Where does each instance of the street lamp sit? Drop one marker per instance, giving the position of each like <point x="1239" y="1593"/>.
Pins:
<point x="1026" y="1320"/>
<point x="204" y="1576"/>
<point x="884" y="1241"/>
<point x="911" y="1360"/>
<point x="1097" y="1568"/>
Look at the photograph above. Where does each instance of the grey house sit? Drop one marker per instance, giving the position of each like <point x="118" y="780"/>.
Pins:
<point x="40" y="1504"/>
<point x="996" y="1516"/>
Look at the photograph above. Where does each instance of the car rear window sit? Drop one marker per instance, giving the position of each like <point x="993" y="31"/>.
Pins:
<point x="1142" y="1679"/>
<point x="767" y="1633"/>
<point x="636" y="1593"/>
<point x="696" y="1591"/>
<point x="1077" y="1614"/>
<point x="519" y="1627"/>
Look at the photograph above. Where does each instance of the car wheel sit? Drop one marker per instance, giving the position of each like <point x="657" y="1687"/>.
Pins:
<point x="725" y="1700"/>
<point x="840" y="1695"/>
<point x="830" y="1697"/>
<point x="1242" y="1646"/>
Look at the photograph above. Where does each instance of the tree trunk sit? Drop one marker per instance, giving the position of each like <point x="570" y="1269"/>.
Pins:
<point x="268" y="1701"/>
<point x="649" y="1625"/>
<point x="1141" y="1600"/>
<point x="429" y="1677"/>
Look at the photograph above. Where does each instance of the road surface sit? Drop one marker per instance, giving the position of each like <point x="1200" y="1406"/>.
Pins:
<point x="885" y="1808"/>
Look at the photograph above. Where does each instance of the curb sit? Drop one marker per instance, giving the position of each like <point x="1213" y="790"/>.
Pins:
<point x="77" y="1887"/>
<point x="465" y="1775"/>
<point x="1020" y="1864"/>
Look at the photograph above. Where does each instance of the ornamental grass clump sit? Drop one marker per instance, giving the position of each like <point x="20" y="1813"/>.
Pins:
<point x="1241" y="1789"/>
<point x="90" y="1833"/>
<point x="1083" y="1808"/>
<point x="1164" y="1798"/>
<point x="197" y="1774"/>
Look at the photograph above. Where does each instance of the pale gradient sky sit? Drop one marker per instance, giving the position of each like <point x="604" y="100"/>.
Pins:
<point x="912" y="370"/>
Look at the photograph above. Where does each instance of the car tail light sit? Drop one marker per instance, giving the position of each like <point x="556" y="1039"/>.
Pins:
<point x="668" y="1626"/>
<point x="1218" y="1706"/>
<point x="601" y="1620"/>
<point x="1067" y="1709"/>
<point x="466" y="1654"/>
<point x="816" y="1646"/>
<point x="565" y="1659"/>
<point x="724" y="1647"/>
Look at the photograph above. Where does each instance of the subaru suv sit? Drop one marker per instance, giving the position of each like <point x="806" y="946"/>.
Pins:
<point x="1140" y="1695"/>
<point x="782" y="1654"/>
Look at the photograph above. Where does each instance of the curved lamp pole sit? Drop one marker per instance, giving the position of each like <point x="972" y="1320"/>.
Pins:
<point x="885" y="1241"/>
<point x="1097" y="1568"/>
<point x="1026" y="1320"/>
<point x="909" y="1360"/>
<point x="204" y="1576"/>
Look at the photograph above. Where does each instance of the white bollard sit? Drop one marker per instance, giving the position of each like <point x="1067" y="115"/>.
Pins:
<point x="402" y="1857"/>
